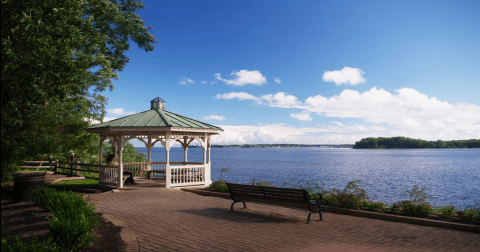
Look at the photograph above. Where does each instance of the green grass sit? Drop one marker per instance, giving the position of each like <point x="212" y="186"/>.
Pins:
<point x="79" y="183"/>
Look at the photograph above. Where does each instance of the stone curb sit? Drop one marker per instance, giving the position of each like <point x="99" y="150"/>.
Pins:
<point x="126" y="233"/>
<point x="360" y="213"/>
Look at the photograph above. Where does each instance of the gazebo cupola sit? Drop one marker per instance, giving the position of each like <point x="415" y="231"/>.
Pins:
<point x="157" y="125"/>
<point x="157" y="103"/>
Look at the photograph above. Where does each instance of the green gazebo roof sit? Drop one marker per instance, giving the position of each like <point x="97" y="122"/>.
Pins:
<point x="155" y="117"/>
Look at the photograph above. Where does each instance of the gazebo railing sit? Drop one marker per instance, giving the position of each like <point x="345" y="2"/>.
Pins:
<point x="187" y="174"/>
<point x="182" y="173"/>
<point x="136" y="168"/>
<point x="107" y="175"/>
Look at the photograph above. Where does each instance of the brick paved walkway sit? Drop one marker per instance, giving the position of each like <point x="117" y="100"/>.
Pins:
<point x="174" y="220"/>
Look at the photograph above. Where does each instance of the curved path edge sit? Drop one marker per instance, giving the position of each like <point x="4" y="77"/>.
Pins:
<point x="126" y="233"/>
<point x="360" y="213"/>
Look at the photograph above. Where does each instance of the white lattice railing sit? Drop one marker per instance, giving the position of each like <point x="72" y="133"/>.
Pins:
<point x="158" y="170"/>
<point x="187" y="175"/>
<point x="108" y="175"/>
<point x="182" y="173"/>
<point x="136" y="168"/>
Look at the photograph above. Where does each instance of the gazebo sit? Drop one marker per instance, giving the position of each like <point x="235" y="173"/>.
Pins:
<point x="150" y="127"/>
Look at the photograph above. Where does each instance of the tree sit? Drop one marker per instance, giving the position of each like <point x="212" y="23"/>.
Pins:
<point x="58" y="56"/>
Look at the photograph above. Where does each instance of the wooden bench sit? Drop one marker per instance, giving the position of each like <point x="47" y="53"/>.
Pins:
<point x="273" y="194"/>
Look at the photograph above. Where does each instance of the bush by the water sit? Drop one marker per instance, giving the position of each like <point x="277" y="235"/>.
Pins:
<point x="353" y="196"/>
<point x="218" y="186"/>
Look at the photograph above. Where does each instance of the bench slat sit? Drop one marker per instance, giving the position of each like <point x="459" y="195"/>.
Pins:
<point x="282" y="190"/>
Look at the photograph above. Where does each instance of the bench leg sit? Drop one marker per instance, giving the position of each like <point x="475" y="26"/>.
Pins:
<point x="236" y="201"/>
<point x="309" y="214"/>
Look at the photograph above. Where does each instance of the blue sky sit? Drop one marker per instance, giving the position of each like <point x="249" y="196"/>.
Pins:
<point x="310" y="72"/>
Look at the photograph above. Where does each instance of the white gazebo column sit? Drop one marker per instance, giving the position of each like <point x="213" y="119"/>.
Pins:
<point x="208" y="179"/>
<point x="149" y="147"/>
<point x="168" y="172"/>
<point x="120" y="162"/>
<point x="209" y="147"/>
<point x="102" y="139"/>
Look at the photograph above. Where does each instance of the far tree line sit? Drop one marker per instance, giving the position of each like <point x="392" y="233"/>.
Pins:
<point x="409" y="143"/>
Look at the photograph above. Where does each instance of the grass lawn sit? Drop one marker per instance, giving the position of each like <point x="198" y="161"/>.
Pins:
<point x="92" y="183"/>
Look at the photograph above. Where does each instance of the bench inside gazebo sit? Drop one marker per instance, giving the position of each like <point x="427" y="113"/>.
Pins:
<point x="157" y="125"/>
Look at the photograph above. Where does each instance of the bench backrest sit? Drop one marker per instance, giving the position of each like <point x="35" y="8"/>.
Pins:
<point x="269" y="193"/>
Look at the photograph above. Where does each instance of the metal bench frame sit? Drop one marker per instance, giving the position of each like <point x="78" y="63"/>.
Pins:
<point x="298" y="196"/>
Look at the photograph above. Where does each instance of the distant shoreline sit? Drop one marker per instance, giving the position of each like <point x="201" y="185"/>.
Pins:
<point x="284" y="146"/>
<point x="409" y="143"/>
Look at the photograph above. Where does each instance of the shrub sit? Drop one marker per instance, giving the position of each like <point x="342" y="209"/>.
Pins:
<point x="310" y="186"/>
<point x="73" y="218"/>
<point x="372" y="205"/>
<point x="351" y="196"/>
<point x="330" y="199"/>
<point x="395" y="207"/>
<point x="72" y="228"/>
<point x="447" y="211"/>
<point x="417" y="195"/>
<point x="218" y="186"/>
<point x="417" y="210"/>
<point x="15" y="244"/>
<point x="469" y="214"/>
<point x="261" y="183"/>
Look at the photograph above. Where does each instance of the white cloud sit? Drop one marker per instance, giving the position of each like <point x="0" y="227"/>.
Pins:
<point x="339" y="124"/>
<point x="214" y="117"/>
<point x="244" y="77"/>
<point x="280" y="99"/>
<point x="303" y="116"/>
<point x="280" y="133"/>
<point x="347" y="75"/>
<point x="106" y="119"/>
<point x="277" y="80"/>
<point x="186" y="81"/>
<point x="119" y="112"/>
<point x="238" y="95"/>
<point x="203" y="82"/>
<point x="406" y="112"/>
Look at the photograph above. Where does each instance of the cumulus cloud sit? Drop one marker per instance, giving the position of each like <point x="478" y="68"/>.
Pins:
<point x="280" y="99"/>
<point x="406" y="112"/>
<point x="303" y="116"/>
<point x="106" y="119"/>
<point x="186" y="81"/>
<point x="214" y="117"/>
<point x="244" y="77"/>
<point x="280" y="133"/>
<point x="409" y="112"/>
<point x="238" y="95"/>
<point x="347" y="75"/>
<point x="277" y="80"/>
<point x="119" y="112"/>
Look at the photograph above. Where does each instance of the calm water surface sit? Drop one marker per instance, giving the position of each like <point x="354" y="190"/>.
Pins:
<point x="453" y="175"/>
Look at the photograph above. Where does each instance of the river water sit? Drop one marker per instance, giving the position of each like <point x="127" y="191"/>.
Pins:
<point x="452" y="175"/>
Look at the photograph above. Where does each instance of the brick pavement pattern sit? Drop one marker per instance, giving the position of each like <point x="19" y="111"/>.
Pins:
<point x="174" y="220"/>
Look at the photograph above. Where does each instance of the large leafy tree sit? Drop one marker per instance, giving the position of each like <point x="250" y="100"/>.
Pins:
<point x="58" y="56"/>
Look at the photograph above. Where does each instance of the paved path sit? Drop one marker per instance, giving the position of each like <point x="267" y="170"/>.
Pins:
<point x="173" y="220"/>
